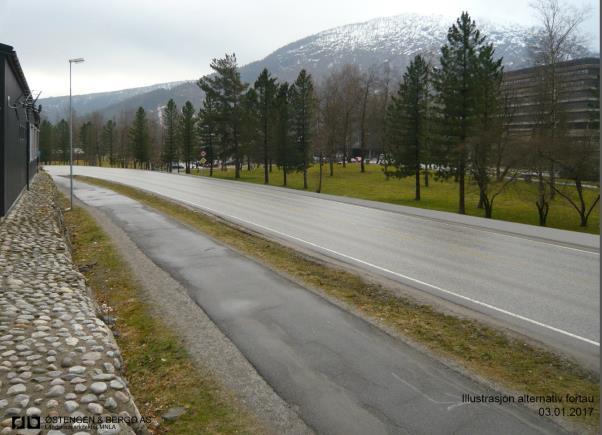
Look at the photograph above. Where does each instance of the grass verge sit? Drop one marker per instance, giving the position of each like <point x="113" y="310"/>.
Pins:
<point x="490" y="353"/>
<point x="159" y="370"/>
<point x="514" y="204"/>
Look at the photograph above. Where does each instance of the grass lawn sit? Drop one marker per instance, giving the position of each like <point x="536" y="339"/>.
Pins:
<point x="516" y="204"/>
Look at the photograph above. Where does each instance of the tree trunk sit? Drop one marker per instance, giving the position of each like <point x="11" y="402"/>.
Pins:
<point x="331" y="164"/>
<point x="543" y="207"/>
<point x="461" y="202"/>
<point x="582" y="208"/>
<point x="266" y="174"/>
<point x="542" y="210"/>
<point x="417" y="195"/>
<point x="552" y="181"/>
<point x="363" y="127"/>
<point x="488" y="209"/>
<point x="319" y="189"/>
<point x="426" y="176"/>
<point x="345" y="130"/>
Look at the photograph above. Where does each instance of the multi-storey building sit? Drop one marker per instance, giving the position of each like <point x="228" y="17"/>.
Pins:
<point x="578" y="95"/>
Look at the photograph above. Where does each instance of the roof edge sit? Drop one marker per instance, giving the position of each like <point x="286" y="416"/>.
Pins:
<point x="13" y="60"/>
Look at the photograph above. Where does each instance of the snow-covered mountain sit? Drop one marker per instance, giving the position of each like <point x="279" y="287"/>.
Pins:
<point x="393" y="40"/>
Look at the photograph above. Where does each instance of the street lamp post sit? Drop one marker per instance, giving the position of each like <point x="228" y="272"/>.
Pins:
<point x="71" y="61"/>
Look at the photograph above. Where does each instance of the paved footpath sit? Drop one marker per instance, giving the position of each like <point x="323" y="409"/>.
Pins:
<point x="57" y="357"/>
<point x="343" y="375"/>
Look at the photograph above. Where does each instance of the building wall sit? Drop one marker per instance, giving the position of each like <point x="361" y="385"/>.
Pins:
<point x="577" y="91"/>
<point x="15" y="165"/>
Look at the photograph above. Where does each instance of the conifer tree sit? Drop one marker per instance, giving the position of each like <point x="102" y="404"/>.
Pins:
<point x="108" y="140"/>
<point x="487" y="128"/>
<point x="283" y="130"/>
<point x="46" y="141"/>
<point x="302" y="105"/>
<point x="265" y="86"/>
<point x="226" y="89"/>
<point x="187" y="133"/>
<point x="170" y="136"/>
<point x="139" y="137"/>
<point x="62" y="140"/>
<point x="250" y="137"/>
<point x="408" y="122"/>
<point x="456" y="86"/>
<point x="207" y="128"/>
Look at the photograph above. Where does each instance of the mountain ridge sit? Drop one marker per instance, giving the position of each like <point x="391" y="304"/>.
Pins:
<point x="393" y="40"/>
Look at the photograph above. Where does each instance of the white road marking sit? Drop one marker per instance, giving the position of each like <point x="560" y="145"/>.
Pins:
<point x="400" y="275"/>
<point x="451" y="406"/>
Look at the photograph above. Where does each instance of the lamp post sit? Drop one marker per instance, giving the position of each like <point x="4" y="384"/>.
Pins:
<point x="71" y="61"/>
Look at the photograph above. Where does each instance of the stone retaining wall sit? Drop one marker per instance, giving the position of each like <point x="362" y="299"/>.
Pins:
<point x="57" y="357"/>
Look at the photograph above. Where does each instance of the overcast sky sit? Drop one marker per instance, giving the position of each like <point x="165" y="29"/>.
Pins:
<point x="131" y="43"/>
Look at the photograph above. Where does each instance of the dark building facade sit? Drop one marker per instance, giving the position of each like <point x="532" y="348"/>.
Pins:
<point x="19" y="132"/>
<point x="578" y="92"/>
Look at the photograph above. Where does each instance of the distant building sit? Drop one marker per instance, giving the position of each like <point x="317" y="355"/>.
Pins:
<point x="18" y="130"/>
<point x="578" y="91"/>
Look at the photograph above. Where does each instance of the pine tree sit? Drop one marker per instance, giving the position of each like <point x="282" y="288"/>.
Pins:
<point x="407" y="119"/>
<point x="62" y="140"/>
<point x="187" y="135"/>
<point x="207" y="128"/>
<point x="170" y="137"/>
<point x="487" y="126"/>
<point x="302" y="105"/>
<point x="266" y="87"/>
<point x="108" y="140"/>
<point x="227" y="90"/>
<point x="46" y="141"/>
<point x="456" y="87"/>
<point x="250" y="127"/>
<point x="86" y="141"/>
<point x="139" y="137"/>
<point x="282" y="127"/>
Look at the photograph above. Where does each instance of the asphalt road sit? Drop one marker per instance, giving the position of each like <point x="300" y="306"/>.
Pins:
<point x="342" y="374"/>
<point x="541" y="288"/>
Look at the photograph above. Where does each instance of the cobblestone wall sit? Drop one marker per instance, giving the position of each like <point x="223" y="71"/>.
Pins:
<point x="57" y="357"/>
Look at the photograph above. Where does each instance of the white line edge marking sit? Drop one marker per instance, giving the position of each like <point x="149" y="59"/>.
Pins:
<point x="417" y="281"/>
<point x="475" y="227"/>
<point x="382" y="269"/>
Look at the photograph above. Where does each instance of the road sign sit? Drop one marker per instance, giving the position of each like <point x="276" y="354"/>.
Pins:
<point x="203" y="153"/>
<point x="203" y="161"/>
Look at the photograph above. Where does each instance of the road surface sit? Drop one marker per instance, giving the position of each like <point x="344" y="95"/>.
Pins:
<point x="342" y="374"/>
<point x="543" y="289"/>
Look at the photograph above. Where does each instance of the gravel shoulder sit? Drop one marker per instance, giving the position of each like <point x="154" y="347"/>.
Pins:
<point x="206" y="344"/>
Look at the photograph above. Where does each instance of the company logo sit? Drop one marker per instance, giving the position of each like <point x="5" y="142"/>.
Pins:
<point x="32" y="422"/>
